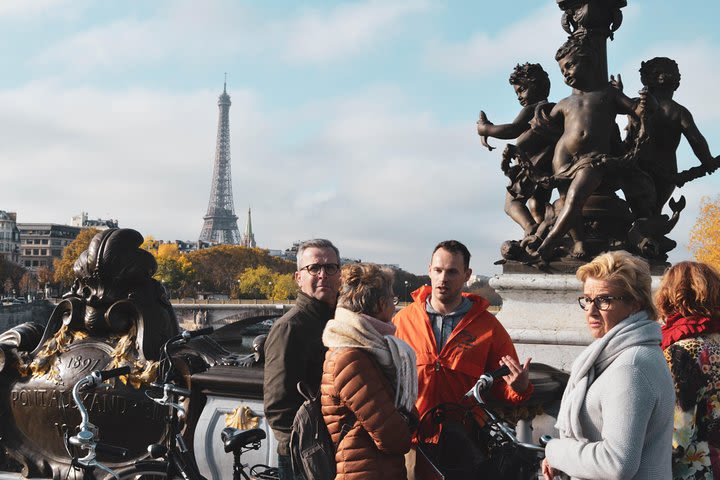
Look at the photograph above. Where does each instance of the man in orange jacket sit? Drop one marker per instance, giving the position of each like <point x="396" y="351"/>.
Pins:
<point x="455" y="338"/>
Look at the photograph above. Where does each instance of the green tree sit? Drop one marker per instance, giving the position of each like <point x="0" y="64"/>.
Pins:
<point x="705" y="234"/>
<point x="63" y="267"/>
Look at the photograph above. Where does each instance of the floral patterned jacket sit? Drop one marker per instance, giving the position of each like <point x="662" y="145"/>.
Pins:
<point x="695" y="366"/>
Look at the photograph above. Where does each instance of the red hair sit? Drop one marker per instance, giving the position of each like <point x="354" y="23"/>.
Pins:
<point x="691" y="289"/>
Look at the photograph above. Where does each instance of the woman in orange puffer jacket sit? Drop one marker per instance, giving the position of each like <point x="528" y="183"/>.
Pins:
<point x="369" y="381"/>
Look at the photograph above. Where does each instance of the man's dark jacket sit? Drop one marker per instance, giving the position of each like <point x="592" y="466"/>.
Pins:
<point x="293" y="352"/>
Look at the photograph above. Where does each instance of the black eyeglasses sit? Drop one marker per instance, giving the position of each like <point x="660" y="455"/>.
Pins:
<point x="602" y="302"/>
<point x="329" y="268"/>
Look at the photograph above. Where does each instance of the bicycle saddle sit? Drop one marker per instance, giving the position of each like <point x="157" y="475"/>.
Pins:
<point x="234" y="439"/>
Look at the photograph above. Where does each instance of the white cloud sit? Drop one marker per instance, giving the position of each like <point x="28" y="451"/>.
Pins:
<point x="534" y="38"/>
<point x="192" y="34"/>
<point x="16" y="8"/>
<point x="319" y="36"/>
<point x="183" y="31"/>
<point x="109" y="47"/>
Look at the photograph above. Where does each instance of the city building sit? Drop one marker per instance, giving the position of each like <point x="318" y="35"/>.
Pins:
<point x="185" y="246"/>
<point x="9" y="237"/>
<point x="248" y="238"/>
<point x="41" y="243"/>
<point x="83" y="221"/>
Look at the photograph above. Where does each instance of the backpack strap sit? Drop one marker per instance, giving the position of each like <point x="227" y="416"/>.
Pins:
<point x="305" y="392"/>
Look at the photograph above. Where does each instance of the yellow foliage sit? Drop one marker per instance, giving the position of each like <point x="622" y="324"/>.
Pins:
<point x="150" y="244"/>
<point x="705" y="235"/>
<point x="285" y="287"/>
<point x="167" y="250"/>
<point x="64" y="273"/>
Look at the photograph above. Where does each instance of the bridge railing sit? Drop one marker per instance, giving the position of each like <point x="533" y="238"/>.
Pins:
<point x="264" y="301"/>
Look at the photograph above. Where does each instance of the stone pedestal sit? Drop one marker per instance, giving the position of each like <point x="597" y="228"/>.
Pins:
<point x="542" y="315"/>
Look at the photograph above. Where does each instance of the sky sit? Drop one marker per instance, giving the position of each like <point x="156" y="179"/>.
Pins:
<point x="351" y="120"/>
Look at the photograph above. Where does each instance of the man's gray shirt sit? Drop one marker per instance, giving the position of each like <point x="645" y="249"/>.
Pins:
<point x="443" y="325"/>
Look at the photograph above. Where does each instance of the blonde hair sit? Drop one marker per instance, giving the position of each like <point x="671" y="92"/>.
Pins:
<point x="628" y="272"/>
<point x="691" y="289"/>
<point x="363" y="286"/>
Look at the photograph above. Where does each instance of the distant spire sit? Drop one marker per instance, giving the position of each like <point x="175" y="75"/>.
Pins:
<point x="248" y="238"/>
<point x="225" y="84"/>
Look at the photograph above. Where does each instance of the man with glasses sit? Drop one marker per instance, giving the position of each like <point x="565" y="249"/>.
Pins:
<point x="294" y="351"/>
<point x="455" y="338"/>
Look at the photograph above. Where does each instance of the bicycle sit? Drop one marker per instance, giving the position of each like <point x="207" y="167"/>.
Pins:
<point x="491" y="451"/>
<point x="86" y="439"/>
<point x="241" y="441"/>
<point x="172" y="458"/>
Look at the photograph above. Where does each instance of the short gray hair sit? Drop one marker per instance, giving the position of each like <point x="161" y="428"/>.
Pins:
<point x="315" y="243"/>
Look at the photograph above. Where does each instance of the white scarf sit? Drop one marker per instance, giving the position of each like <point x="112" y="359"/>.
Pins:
<point x="637" y="329"/>
<point x="396" y="358"/>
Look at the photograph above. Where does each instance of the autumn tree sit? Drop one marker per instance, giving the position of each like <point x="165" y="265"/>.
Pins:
<point x="150" y="244"/>
<point x="256" y="283"/>
<point x="44" y="277"/>
<point x="63" y="267"/>
<point x="8" y="286"/>
<point x="28" y="283"/>
<point x="217" y="268"/>
<point x="261" y="282"/>
<point x="705" y="234"/>
<point x="11" y="271"/>
<point x="174" y="271"/>
<point x="285" y="287"/>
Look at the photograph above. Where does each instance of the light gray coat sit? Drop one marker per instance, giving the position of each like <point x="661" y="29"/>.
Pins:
<point x="626" y="421"/>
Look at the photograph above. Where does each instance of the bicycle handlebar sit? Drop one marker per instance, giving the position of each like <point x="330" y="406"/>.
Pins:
<point x="174" y="389"/>
<point x="85" y="438"/>
<point x="486" y="381"/>
<point x="112" y="450"/>
<point x="188" y="334"/>
<point x="115" y="372"/>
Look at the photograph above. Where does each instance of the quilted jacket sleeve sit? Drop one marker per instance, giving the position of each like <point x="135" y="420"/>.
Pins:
<point x="362" y="386"/>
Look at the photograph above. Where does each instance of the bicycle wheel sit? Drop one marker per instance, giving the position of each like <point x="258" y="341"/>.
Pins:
<point x="142" y="471"/>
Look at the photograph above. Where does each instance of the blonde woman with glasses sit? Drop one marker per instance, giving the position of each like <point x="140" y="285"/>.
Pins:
<point x="616" y="415"/>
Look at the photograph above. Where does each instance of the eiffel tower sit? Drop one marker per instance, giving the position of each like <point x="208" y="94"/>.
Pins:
<point x="220" y="220"/>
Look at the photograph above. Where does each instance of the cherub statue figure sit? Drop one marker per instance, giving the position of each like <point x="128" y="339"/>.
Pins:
<point x="661" y="77"/>
<point x="533" y="149"/>
<point x="589" y="145"/>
